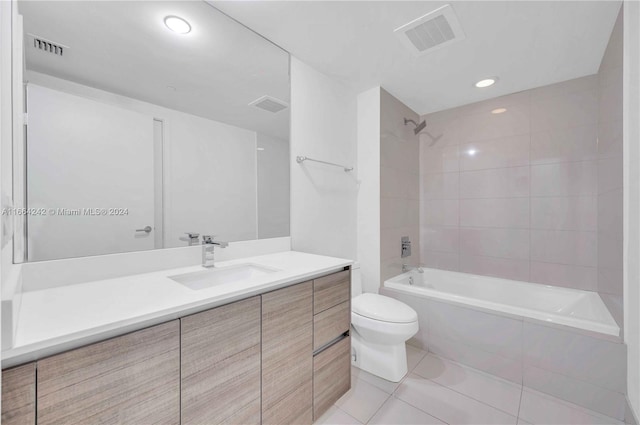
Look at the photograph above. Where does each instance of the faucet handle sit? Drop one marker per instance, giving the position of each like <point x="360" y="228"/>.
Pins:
<point x="208" y="238"/>
<point x="192" y="235"/>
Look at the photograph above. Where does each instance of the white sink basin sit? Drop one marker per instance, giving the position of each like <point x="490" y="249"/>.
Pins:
<point x="220" y="276"/>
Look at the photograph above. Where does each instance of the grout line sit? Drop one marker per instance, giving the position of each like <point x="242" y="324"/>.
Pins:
<point x="482" y="373"/>
<point x="571" y="405"/>
<point x="521" y="367"/>
<point x="491" y="198"/>
<point x="379" y="408"/>
<point x="541" y="229"/>
<point x="509" y="167"/>
<point x="346" y="413"/>
<point x="520" y="403"/>
<point x="529" y="218"/>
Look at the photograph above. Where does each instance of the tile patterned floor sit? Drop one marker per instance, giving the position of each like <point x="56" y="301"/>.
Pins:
<point x="439" y="391"/>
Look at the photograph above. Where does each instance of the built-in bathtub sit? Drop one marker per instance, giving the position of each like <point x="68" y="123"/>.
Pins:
<point x="559" y="341"/>
<point x="564" y="306"/>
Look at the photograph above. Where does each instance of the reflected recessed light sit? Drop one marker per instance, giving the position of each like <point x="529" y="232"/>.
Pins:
<point x="171" y="88"/>
<point x="177" y="25"/>
<point x="499" y="111"/>
<point x="471" y="152"/>
<point x="486" y="82"/>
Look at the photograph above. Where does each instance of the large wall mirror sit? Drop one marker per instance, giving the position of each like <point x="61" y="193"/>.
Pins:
<point x="147" y="120"/>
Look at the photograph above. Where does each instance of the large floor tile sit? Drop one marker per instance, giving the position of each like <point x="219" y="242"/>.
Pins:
<point x="414" y="355"/>
<point x="363" y="400"/>
<point x="386" y="386"/>
<point x="335" y="416"/>
<point x="543" y="409"/>
<point x="397" y="412"/>
<point x="483" y="387"/>
<point x="584" y="394"/>
<point x="448" y="405"/>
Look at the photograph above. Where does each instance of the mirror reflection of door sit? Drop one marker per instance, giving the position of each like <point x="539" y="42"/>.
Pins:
<point x="113" y="149"/>
<point x="189" y="132"/>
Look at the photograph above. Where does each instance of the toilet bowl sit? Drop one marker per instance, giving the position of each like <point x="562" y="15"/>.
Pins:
<point x="380" y="327"/>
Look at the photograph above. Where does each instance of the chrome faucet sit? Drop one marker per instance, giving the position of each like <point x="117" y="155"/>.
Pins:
<point x="407" y="268"/>
<point x="208" y="244"/>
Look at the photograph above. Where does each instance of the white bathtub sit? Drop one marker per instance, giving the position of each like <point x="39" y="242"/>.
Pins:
<point x="569" y="307"/>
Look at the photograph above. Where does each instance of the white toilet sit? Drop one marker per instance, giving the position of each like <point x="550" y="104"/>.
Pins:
<point x="380" y="326"/>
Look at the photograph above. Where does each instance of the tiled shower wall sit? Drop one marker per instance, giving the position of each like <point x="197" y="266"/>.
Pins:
<point x="399" y="188"/>
<point x="610" y="230"/>
<point x="515" y="194"/>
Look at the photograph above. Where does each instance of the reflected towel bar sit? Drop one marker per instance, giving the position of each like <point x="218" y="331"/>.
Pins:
<point x="301" y="159"/>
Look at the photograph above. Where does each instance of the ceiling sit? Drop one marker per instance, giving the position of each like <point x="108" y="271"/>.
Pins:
<point x="525" y="43"/>
<point x="123" y="47"/>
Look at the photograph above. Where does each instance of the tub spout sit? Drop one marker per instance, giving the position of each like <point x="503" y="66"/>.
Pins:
<point x="407" y="268"/>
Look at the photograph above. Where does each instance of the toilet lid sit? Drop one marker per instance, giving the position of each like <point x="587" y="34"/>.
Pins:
<point x="383" y="308"/>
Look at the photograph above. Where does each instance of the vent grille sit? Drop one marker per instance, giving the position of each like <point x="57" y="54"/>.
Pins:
<point x="44" y="45"/>
<point x="270" y="104"/>
<point x="431" y="31"/>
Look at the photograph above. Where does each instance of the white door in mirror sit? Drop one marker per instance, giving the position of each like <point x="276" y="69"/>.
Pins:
<point x="91" y="173"/>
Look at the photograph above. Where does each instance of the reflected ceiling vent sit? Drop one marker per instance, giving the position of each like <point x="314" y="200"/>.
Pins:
<point x="270" y="104"/>
<point x="48" y="46"/>
<point x="432" y="31"/>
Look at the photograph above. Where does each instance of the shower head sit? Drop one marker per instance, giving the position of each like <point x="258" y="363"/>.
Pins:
<point x="419" y="127"/>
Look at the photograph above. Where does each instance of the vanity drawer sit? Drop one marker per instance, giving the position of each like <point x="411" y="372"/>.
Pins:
<point x="331" y="290"/>
<point x="331" y="375"/>
<point x="330" y="324"/>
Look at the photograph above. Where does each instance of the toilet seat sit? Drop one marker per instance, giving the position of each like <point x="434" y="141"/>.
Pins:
<point x="384" y="309"/>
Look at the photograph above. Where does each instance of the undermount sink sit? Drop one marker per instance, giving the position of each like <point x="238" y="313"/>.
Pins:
<point x="223" y="275"/>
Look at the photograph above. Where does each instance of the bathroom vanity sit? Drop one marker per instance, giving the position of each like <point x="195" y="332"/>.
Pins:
<point x="278" y="351"/>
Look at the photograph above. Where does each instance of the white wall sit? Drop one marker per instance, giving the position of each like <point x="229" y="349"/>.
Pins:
<point x="5" y="133"/>
<point x="273" y="187"/>
<point x="369" y="194"/>
<point x="631" y="140"/>
<point x="5" y="140"/>
<point x="207" y="165"/>
<point x="323" y="198"/>
<point x="210" y="179"/>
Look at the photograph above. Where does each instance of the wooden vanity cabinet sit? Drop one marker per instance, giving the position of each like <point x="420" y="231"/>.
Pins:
<point x="19" y="395"/>
<point x="131" y="379"/>
<point x="221" y="365"/>
<point x="331" y="375"/>
<point x="283" y="357"/>
<point x="287" y="350"/>
<point x="331" y="340"/>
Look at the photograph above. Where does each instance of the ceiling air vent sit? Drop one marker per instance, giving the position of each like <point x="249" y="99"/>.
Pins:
<point x="432" y="31"/>
<point x="270" y="104"/>
<point x="47" y="46"/>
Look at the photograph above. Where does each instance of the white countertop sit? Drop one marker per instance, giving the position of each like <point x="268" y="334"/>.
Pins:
<point x="58" y="319"/>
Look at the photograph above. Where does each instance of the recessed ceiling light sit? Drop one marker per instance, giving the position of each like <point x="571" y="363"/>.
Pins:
<point x="177" y="25"/>
<point x="486" y="82"/>
<point x="471" y="152"/>
<point x="499" y="110"/>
